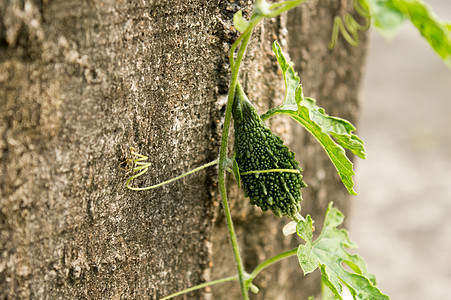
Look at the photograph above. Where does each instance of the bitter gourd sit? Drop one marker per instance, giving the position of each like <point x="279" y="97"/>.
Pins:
<point x="258" y="149"/>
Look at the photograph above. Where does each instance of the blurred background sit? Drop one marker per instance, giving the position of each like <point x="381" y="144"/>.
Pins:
<point x="401" y="218"/>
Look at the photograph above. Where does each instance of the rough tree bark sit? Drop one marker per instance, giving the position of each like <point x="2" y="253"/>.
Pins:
<point x="82" y="81"/>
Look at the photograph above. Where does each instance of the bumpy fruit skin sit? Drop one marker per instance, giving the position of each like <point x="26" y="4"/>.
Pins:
<point x="257" y="148"/>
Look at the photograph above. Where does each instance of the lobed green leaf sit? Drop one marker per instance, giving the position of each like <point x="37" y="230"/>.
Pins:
<point x="329" y="253"/>
<point x="307" y="259"/>
<point x="389" y="14"/>
<point x="334" y="134"/>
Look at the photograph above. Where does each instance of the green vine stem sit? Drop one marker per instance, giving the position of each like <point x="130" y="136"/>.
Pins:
<point x="261" y="10"/>
<point x="201" y="286"/>
<point x="286" y="6"/>
<point x="142" y="166"/>
<point x="271" y="261"/>
<point x="223" y="161"/>
<point x="267" y="263"/>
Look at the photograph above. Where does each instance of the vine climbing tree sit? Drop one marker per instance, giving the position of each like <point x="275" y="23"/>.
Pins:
<point x="83" y="82"/>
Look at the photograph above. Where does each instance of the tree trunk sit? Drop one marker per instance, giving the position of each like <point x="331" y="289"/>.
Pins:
<point x="82" y="81"/>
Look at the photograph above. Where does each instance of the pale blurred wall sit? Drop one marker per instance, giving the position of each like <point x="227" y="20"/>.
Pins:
<point x="402" y="216"/>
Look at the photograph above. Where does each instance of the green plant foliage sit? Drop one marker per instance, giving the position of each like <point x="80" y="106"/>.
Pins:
<point x="385" y="17"/>
<point x="389" y="14"/>
<point x="267" y="170"/>
<point x="270" y="175"/>
<point x="333" y="133"/>
<point x="329" y="254"/>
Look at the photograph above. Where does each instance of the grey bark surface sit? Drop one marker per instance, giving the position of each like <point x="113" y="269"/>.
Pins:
<point x="81" y="82"/>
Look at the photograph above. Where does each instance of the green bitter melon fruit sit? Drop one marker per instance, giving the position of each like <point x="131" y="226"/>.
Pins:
<point x="257" y="149"/>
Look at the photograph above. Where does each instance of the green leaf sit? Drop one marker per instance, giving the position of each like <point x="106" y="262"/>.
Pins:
<point x="239" y="22"/>
<point x="339" y="269"/>
<point x="339" y="128"/>
<point x="307" y="259"/>
<point x="290" y="77"/>
<point x="386" y="17"/>
<point x="334" y="134"/>
<point x="335" y="151"/>
<point x="434" y="30"/>
<point x="389" y="14"/>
